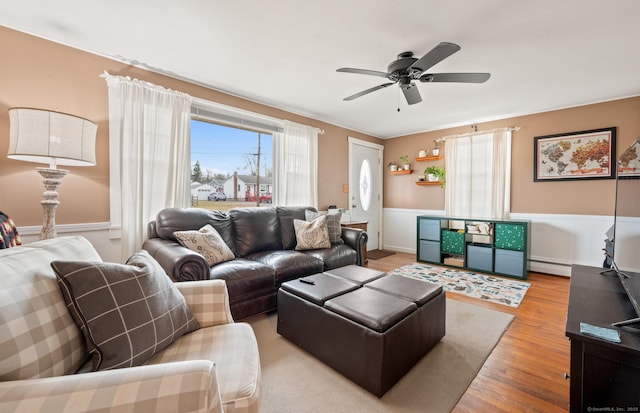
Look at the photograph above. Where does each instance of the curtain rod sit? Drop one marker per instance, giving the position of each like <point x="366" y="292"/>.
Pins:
<point x="514" y="128"/>
<point x="212" y="110"/>
<point x="107" y="76"/>
<point x="318" y="130"/>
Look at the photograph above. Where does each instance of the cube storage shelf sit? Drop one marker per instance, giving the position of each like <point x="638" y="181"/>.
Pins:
<point x="493" y="246"/>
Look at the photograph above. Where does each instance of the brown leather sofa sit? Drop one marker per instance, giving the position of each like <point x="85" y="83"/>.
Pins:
<point x="263" y="241"/>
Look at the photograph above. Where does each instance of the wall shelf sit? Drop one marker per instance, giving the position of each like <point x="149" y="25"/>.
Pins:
<point x="429" y="158"/>
<point x="427" y="183"/>
<point x="401" y="172"/>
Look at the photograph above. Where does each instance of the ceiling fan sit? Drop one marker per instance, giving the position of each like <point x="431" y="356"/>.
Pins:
<point x="407" y="68"/>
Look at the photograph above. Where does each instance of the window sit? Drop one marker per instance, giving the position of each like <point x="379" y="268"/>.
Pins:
<point x="290" y="150"/>
<point x="365" y="185"/>
<point x="478" y="175"/>
<point x="230" y="166"/>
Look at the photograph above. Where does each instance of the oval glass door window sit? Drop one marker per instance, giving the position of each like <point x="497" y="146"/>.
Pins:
<point x="365" y="185"/>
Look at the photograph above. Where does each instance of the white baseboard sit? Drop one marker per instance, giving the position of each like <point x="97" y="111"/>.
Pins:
<point x="398" y="248"/>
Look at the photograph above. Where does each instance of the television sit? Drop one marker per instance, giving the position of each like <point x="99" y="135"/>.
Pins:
<point x="624" y="252"/>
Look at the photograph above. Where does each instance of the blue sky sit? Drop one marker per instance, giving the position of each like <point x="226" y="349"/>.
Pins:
<point x="221" y="148"/>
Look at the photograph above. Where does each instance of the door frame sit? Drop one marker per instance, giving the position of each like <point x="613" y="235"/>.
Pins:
<point x="380" y="171"/>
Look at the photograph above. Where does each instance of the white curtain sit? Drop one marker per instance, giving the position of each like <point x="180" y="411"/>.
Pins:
<point x="149" y="148"/>
<point x="295" y="164"/>
<point x="479" y="175"/>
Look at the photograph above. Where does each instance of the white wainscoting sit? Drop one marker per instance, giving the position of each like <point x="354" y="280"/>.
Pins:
<point x="628" y="243"/>
<point x="97" y="233"/>
<point x="557" y="240"/>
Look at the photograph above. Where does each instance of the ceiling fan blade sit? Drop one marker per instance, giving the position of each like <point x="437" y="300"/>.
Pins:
<point x="364" y="92"/>
<point x="411" y="93"/>
<point x="456" y="77"/>
<point x="436" y="55"/>
<point x="362" y="71"/>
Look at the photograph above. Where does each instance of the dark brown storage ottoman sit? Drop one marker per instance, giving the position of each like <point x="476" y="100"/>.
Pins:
<point x="372" y="335"/>
<point x="356" y="274"/>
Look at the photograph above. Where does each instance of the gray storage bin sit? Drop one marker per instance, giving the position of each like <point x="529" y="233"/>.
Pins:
<point x="510" y="263"/>
<point x="429" y="251"/>
<point x="429" y="229"/>
<point x="480" y="258"/>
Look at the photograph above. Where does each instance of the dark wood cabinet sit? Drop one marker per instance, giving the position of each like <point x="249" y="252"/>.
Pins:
<point x="358" y="225"/>
<point x="605" y="376"/>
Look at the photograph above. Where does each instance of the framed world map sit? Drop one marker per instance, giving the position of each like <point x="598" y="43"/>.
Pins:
<point x="576" y="155"/>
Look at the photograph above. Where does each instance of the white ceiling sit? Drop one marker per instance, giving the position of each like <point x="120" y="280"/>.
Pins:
<point x="542" y="54"/>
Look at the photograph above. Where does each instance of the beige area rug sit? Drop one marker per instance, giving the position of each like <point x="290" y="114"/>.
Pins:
<point x="294" y="381"/>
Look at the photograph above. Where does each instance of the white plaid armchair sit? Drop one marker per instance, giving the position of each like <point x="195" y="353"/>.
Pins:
<point x="43" y="355"/>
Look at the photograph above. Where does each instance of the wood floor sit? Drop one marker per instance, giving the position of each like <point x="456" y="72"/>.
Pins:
<point x="525" y="372"/>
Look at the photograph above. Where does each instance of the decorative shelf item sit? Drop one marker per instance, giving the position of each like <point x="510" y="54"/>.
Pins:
<point x="402" y="172"/>
<point x="429" y="158"/>
<point x="427" y="183"/>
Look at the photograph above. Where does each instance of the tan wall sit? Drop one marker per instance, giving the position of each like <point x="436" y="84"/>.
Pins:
<point x="41" y="74"/>
<point x="589" y="197"/>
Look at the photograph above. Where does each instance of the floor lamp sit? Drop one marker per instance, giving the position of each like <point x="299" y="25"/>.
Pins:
<point x="52" y="138"/>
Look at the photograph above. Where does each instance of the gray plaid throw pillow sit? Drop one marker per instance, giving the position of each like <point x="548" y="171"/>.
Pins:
<point x="128" y="312"/>
<point x="333" y="224"/>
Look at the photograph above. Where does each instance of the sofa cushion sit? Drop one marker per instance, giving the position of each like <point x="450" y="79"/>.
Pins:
<point x="333" y="224"/>
<point x="170" y="220"/>
<point x="256" y="229"/>
<point x="127" y="312"/>
<point x="234" y="349"/>
<point x="288" y="264"/>
<point x="312" y="234"/>
<point x="38" y="337"/>
<point x="245" y="278"/>
<point x="286" y="215"/>
<point x="207" y="242"/>
<point x="338" y="255"/>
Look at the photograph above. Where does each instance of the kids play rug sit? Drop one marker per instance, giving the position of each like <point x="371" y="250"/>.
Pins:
<point x="486" y="287"/>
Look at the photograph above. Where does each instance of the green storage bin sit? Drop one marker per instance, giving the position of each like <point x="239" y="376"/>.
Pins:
<point x="452" y="242"/>
<point x="510" y="236"/>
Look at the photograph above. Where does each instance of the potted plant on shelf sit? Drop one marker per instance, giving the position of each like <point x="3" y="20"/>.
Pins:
<point x="392" y="166"/>
<point x="405" y="162"/>
<point x="436" y="174"/>
<point x="436" y="148"/>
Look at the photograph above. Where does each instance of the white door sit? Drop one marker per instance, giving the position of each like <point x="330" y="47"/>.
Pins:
<point x="365" y="188"/>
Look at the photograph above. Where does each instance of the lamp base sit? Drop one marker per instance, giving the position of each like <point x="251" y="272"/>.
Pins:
<point x="51" y="178"/>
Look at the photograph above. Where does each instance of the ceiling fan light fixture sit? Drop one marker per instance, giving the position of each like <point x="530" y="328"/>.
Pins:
<point x="407" y="85"/>
<point x="407" y="68"/>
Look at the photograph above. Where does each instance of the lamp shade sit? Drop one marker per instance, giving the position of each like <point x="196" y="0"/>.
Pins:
<point x="43" y="136"/>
